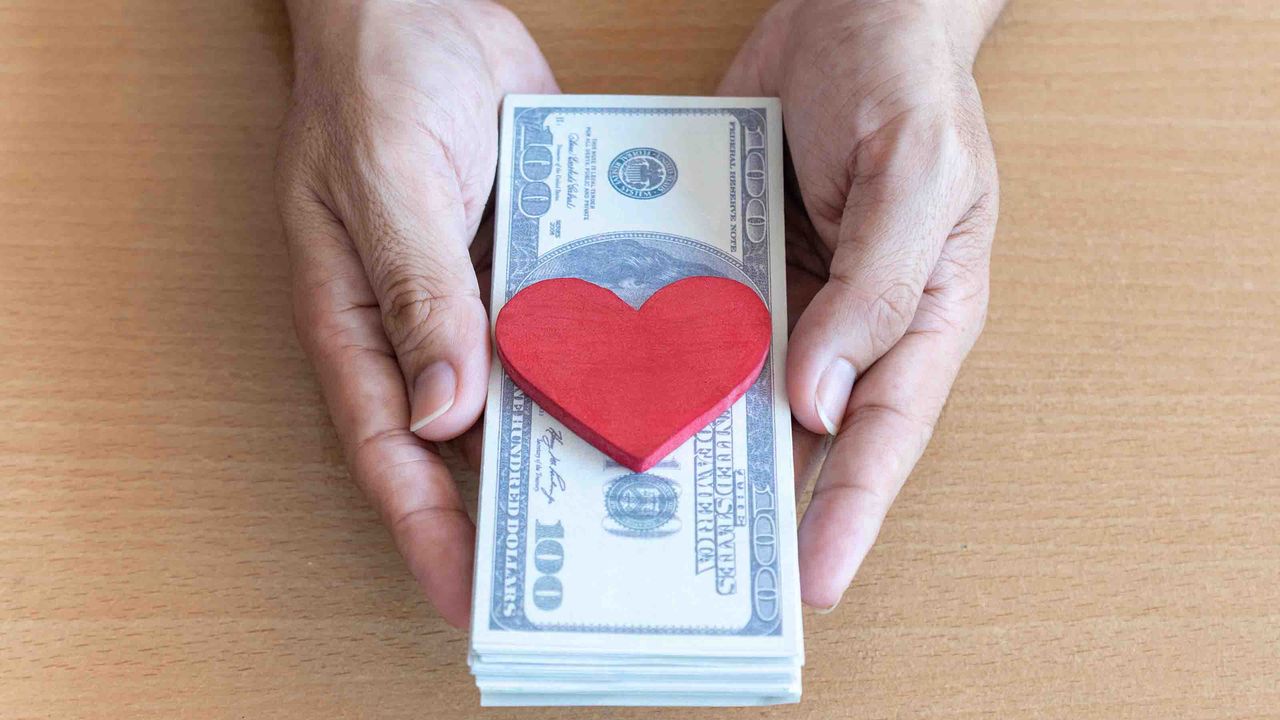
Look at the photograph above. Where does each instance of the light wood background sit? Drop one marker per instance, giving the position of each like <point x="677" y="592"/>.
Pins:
<point x="1095" y="531"/>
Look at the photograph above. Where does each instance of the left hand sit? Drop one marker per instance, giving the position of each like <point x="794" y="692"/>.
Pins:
<point x="897" y="176"/>
<point x="386" y="163"/>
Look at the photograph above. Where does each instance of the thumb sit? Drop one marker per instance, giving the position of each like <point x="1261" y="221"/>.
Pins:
<point x="412" y="233"/>
<point x="899" y="212"/>
<point x="416" y="204"/>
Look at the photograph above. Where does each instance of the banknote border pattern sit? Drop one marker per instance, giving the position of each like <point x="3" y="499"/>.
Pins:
<point x="766" y="576"/>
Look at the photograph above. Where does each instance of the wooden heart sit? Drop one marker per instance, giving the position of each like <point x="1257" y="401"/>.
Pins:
<point x="634" y="383"/>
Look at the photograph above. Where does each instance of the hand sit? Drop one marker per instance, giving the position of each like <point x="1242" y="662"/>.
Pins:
<point x="386" y="163"/>
<point x="889" y="271"/>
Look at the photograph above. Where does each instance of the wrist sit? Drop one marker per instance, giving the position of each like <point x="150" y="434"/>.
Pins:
<point x="314" y="26"/>
<point x="319" y="26"/>
<point x="964" y="23"/>
<point x="968" y="22"/>
<point x="311" y="20"/>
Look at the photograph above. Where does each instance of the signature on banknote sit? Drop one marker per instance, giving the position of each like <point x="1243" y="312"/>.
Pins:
<point x="547" y="479"/>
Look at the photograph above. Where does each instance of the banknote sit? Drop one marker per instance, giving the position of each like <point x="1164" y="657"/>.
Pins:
<point x="578" y="559"/>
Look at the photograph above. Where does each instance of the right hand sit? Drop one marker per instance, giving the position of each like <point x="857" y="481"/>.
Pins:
<point x="386" y="162"/>
<point x="889" y="253"/>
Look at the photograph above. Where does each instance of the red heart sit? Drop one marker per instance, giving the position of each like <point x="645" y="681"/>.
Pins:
<point x="634" y="383"/>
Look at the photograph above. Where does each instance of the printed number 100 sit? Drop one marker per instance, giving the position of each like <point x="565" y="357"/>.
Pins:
<point x="548" y="558"/>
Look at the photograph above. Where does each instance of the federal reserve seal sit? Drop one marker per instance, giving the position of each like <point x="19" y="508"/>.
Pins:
<point x="641" y="505"/>
<point x="642" y="173"/>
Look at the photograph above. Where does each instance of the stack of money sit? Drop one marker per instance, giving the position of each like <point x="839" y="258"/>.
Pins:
<point x="597" y="585"/>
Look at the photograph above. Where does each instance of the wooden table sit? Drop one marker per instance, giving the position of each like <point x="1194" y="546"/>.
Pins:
<point x="1095" y="531"/>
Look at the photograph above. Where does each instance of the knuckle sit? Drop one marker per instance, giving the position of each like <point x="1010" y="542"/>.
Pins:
<point x="399" y="520"/>
<point x="871" y="497"/>
<point x="959" y="323"/>
<point x="899" y="422"/>
<point x="980" y="317"/>
<point x="891" y="312"/>
<point x="983" y="215"/>
<point x="902" y="140"/>
<point x="409" y="301"/>
<point x="416" y="308"/>
<point x="886" y="314"/>
<point x="303" y="327"/>
<point x="379" y="457"/>
<point x="332" y="330"/>
<point x="964" y="269"/>
<point x="939" y="141"/>
<point x="975" y="311"/>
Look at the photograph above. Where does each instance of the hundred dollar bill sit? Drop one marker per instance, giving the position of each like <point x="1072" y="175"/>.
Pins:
<point x="576" y="555"/>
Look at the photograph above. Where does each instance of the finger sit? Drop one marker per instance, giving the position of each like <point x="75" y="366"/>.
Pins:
<point x="750" y="74"/>
<point x="409" y="224"/>
<point x="742" y="79"/>
<point x="885" y="430"/>
<point x="412" y="201"/>
<point x="339" y="324"/>
<point x="911" y="184"/>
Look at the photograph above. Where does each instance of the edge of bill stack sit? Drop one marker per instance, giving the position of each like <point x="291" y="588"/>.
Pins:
<point x="595" y="584"/>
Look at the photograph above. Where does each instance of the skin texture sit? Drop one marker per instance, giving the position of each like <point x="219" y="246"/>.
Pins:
<point x="888" y="263"/>
<point x="387" y="161"/>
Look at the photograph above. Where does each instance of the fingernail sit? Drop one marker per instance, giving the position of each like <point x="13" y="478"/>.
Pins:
<point x="433" y="393"/>
<point x="833" y="393"/>
<point x="827" y="610"/>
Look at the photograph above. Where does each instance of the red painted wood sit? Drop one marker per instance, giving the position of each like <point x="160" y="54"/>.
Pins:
<point x="634" y="383"/>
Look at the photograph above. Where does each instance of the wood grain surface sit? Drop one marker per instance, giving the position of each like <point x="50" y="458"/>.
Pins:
<point x="1094" y="533"/>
